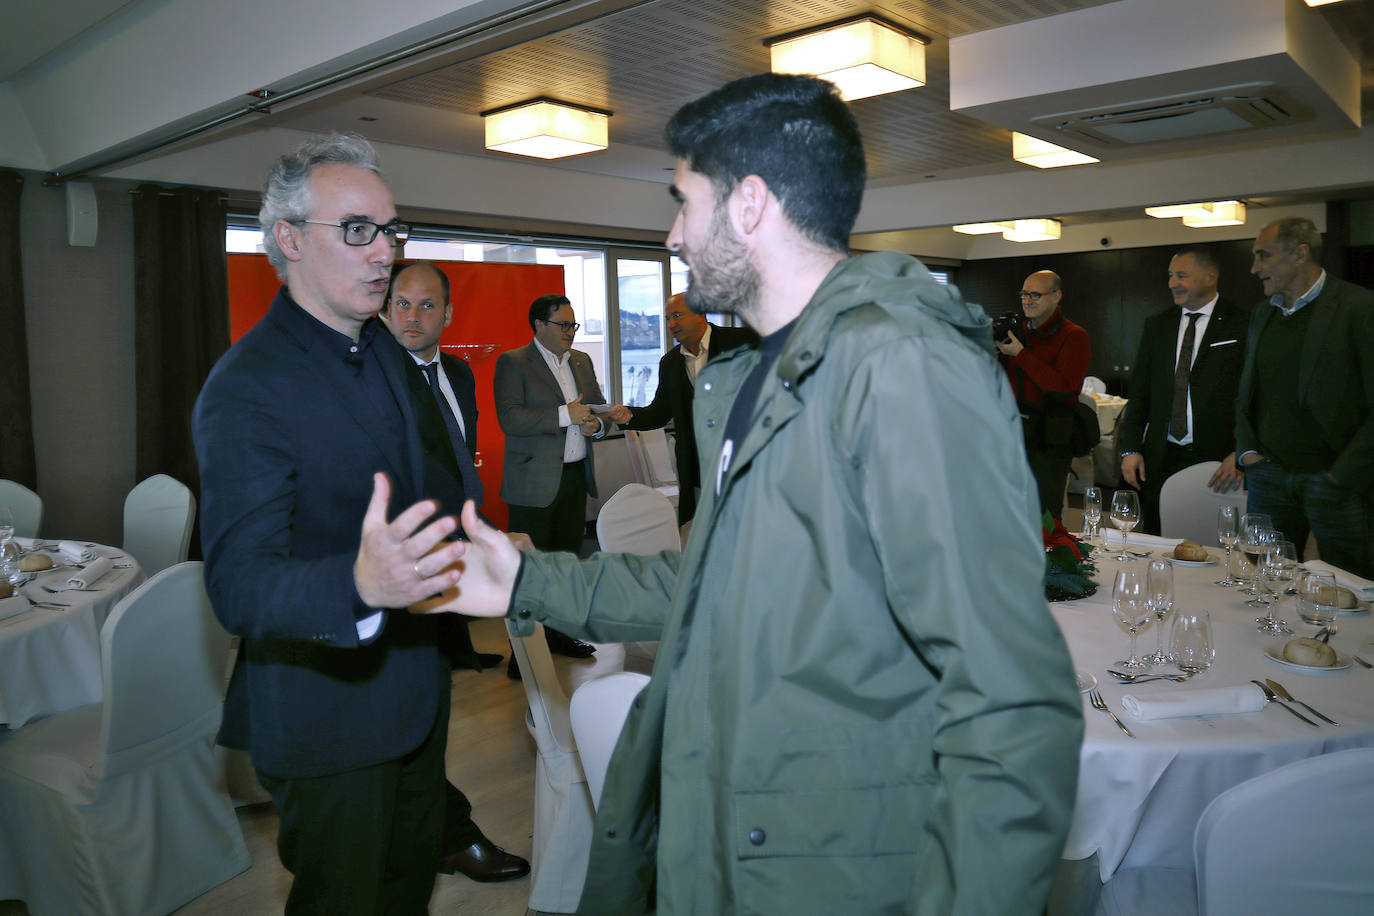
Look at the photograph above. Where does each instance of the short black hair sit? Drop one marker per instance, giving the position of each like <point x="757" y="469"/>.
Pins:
<point x="546" y="305"/>
<point x="1202" y="256"/>
<point x="794" y="132"/>
<point x="397" y="269"/>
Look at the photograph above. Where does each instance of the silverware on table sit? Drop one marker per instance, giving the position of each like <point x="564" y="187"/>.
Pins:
<point x="1273" y="698"/>
<point x="1098" y="703"/>
<point x="1279" y="689"/>
<point x="1362" y="661"/>
<point x="1146" y="678"/>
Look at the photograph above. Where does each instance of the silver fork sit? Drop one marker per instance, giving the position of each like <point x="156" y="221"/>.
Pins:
<point x="1146" y="678"/>
<point x="1098" y="703"/>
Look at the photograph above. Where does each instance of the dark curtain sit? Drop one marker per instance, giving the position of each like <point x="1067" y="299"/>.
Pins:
<point x="181" y="323"/>
<point x="17" y="460"/>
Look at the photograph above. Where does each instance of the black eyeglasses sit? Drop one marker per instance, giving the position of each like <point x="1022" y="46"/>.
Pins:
<point x="362" y="232"/>
<point x="565" y="325"/>
<point x="1035" y="297"/>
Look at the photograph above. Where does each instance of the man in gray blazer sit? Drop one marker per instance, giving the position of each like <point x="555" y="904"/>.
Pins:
<point x="1305" y="410"/>
<point x="542" y="392"/>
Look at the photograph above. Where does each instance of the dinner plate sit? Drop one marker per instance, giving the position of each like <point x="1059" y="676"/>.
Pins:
<point x="1276" y="653"/>
<point x="1210" y="561"/>
<point x="1362" y="607"/>
<point x="1086" y="681"/>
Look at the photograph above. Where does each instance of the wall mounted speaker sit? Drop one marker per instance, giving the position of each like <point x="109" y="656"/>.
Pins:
<point x="82" y="219"/>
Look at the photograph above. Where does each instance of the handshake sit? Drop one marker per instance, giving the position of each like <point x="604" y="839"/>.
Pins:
<point x="586" y="419"/>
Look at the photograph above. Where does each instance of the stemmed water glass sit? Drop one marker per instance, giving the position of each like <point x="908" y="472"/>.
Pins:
<point x="6" y="535"/>
<point x="1228" y="532"/>
<point x="1160" y="585"/>
<point x="1092" y="511"/>
<point x="1280" y="565"/>
<point x="1250" y="525"/>
<point x="1125" y="516"/>
<point x="1131" y="606"/>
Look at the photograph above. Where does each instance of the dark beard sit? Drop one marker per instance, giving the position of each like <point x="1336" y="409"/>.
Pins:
<point x="722" y="278"/>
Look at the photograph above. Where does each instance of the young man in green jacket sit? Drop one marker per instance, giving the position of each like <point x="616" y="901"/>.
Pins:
<point x="849" y="713"/>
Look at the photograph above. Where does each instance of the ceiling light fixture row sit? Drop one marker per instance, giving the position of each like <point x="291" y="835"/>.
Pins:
<point x="1202" y="215"/>
<point x="1017" y="230"/>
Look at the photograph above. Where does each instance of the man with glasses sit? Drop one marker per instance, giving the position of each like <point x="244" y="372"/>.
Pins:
<point x="698" y="342"/>
<point x="304" y="430"/>
<point x="1046" y="371"/>
<point x="542" y="392"/>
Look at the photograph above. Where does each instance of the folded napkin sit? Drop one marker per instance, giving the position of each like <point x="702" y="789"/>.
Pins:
<point x="73" y="552"/>
<point x="1208" y="701"/>
<point x="85" y="578"/>
<point x="1361" y="587"/>
<point x="1112" y="538"/>
<point x="10" y="607"/>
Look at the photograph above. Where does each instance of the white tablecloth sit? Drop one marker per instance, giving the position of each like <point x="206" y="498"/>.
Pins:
<point x="1139" y="798"/>
<point x="50" y="658"/>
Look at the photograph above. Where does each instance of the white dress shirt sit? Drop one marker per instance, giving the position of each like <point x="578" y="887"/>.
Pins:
<point x="1206" y="315"/>
<point x="574" y="443"/>
<point x="446" y="389"/>
<point x="694" y="364"/>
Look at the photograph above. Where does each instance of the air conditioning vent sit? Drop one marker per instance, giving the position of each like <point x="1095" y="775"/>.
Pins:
<point x="1201" y="114"/>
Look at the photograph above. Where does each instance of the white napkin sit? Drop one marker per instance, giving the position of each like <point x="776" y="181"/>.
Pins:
<point x="1361" y="587"/>
<point x="85" y="578"/>
<point x="1208" y="701"/>
<point x="11" y="607"/>
<point x="73" y="552"/>
<point x="1112" y="538"/>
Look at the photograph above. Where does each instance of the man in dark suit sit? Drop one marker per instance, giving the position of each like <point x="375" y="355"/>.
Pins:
<point x="417" y="311"/>
<point x="1305" y="409"/>
<point x="542" y="392"/>
<point x="699" y="342"/>
<point x="1181" y="409"/>
<point x="305" y="430"/>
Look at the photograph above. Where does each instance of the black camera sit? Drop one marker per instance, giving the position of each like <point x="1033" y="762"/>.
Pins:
<point x="1004" y="324"/>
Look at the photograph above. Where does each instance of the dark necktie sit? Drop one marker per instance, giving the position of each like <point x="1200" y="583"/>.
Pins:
<point x="472" y="484"/>
<point x="1178" y="417"/>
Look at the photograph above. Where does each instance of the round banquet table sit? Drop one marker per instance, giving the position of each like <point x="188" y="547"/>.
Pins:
<point x="1139" y="799"/>
<point x="50" y="657"/>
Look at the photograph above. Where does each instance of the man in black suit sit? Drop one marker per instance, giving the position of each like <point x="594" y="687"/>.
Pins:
<point x="305" y="431"/>
<point x="417" y="310"/>
<point x="698" y="342"/>
<point x="1305" y="409"/>
<point x="1181" y="409"/>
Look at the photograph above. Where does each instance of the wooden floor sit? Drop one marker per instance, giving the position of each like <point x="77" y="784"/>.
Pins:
<point x="490" y="757"/>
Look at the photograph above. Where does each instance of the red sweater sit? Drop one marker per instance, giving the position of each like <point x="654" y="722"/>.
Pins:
<point x="1055" y="358"/>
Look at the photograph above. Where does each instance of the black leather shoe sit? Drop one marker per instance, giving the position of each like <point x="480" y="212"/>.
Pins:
<point x="484" y="861"/>
<point x="512" y="669"/>
<point x="563" y="644"/>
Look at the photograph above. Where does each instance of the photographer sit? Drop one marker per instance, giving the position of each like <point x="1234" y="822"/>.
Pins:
<point x="1046" y="357"/>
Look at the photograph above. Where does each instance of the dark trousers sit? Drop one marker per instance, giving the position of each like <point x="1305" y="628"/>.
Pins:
<point x="560" y="524"/>
<point x="1176" y="458"/>
<point x="1051" y="471"/>
<point x="365" y="841"/>
<point x="1301" y="503"/>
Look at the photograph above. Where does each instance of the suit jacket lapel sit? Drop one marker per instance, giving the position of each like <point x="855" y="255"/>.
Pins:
<point x="539" y="370"/>
<point x="464" y="391"/>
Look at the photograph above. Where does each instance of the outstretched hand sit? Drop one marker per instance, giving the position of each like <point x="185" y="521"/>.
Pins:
<point x="485" y="575"/>
<point x="397" y="564"/>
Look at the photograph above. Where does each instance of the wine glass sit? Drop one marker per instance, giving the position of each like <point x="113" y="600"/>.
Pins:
<point x="1280" y="564"/>
<point x="1228" y="532"/>
<point x="1092" y="511"/>
<point x="1131" y="606"/>
<point x="6" y="525"/>
<point x="1255" y="546"/>
<point x="1125" y="516"/>
<point x="9" y="564"/>
<point x="1160" y="586"/>
<point x="1250" y="523"/>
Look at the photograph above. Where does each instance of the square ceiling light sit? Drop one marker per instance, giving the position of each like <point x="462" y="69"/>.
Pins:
<point x="865" y="56"/>
<point x="1033" y="230"/>
<point x="1045" y="155"/>
<point x="1221" y="213"/>
<point x="545" y="129"/>
<point x="983" y="228"/>
<point x="1176" y="211"/>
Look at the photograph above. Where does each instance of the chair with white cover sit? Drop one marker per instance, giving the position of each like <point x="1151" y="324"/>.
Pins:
<point x="1094" y="385"/>
<point x="117" y="809"/>
<point x="562" y="804"/>
<point x="158" y="514"/>
<point x="599" y="708"/>
<point x="26" y="505"/>
<point x="1188" y="507"/>
<point x="638" y="519"/>
<point x="652" y="462"/>
<point x="1294" y="840"/>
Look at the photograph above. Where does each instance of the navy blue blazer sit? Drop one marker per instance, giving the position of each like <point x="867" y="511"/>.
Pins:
<point x="288" y="438"/>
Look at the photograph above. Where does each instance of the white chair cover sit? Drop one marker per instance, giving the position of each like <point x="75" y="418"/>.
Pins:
<point x="116" y="809"/>
<point x="26" y="505"/>
<point x="652" y="470"/>
<point x="598" y="713"/>
<point x="613" y="471"/>
<point x="1188" y="507"/>
<point x="1294" y="840"/>
<point x="158" y="514"/>
<point x="638" y="519"/>
<point x="1094" y="385"/>
<point x="562" y="804"/>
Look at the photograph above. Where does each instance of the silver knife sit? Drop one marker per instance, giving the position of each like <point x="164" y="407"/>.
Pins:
<point x="1273" y="698"/>
<point x="1278" y="688"/>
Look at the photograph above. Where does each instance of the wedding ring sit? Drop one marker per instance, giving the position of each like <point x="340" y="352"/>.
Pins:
<point x="415" y="567"/>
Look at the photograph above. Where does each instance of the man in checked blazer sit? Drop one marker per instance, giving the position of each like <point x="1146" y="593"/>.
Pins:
<point x="1176" y="416"/>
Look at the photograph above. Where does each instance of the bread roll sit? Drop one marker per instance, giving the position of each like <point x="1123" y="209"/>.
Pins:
<point x="1190" y="550"/>
<point x="6" y="590"/>
<point x="35" y="562"/>
<point x="1339" y="596"/>
<point x="1311" y="652"/>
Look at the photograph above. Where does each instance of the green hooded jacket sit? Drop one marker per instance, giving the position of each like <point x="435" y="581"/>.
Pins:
<point x="861" y="703"/>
